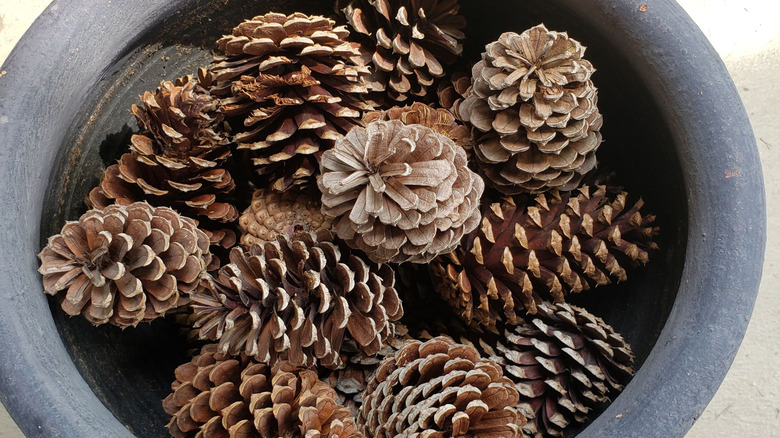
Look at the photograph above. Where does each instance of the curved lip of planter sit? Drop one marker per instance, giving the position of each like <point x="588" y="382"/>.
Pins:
<point x="725" y="202"/>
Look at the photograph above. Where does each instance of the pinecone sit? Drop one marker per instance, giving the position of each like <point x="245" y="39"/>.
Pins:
<point x="560" y="243"/>
<point x="272" y="213"/>
<point x="124" y="264"/>
<point x="564" y="363"/>
<point x="215" y="395"/>
<point x="533" y="106"/>
<point x="451" y="92"/>
<point x="409" y="42"/>
<point x="399" y="193"/>
<point x="291" y="85"/>
<point x="177" y="160"/>
<point x="440" y="120"/>
<point x="295" y="299"/>
<point x="439" y="389"/>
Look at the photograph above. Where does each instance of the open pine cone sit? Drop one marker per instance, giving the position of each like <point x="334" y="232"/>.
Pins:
<point x="533" y="106"/>
<point x="296" y="299"/>
<point x="272" y="213"/>
<point x="409" y="42"/>
<point x="562" y="242"/>
<point x="216" y="395"/>
<point x="124" y="264"/>
<point x="564" y="363"/>
<point x="439" y="389"/>
<point x="399" y="193"/>
<point x="290" y="88"/>
<point x="440" y="120"/>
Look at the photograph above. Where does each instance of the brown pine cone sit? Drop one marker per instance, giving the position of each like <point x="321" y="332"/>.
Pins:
<point x="296" y="299"/>
<point x="564" y="363"/>
<point x="533" y="106"/>
<point x="452" y="91"/>
<point x="272" y="213"/>
<point x="409" y="42"/>
<point x="290" y="87"/>
<point x="178" y="160"/>
<point x="124" y="264"/>
<point x="439" y="389"/>
<point x="399" y="193"/>
<point x="215" y="395"/>
<point x="561" y="243"/>
<point x="440" y="120"/>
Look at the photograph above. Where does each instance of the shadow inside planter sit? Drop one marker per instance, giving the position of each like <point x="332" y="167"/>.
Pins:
<point x="131" y="370"/>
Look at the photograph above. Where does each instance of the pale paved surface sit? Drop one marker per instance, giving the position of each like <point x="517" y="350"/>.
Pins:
<point x="747" y="35"/>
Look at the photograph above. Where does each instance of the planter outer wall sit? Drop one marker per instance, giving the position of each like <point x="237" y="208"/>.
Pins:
<point x="46" y="395"/>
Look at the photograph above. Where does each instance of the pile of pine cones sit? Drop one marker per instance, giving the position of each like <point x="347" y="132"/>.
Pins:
<point x="370" y="241"/>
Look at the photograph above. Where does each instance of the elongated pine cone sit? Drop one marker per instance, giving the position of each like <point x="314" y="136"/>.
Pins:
<point x="564" y="363"/>
<point x="179" y="158"/>
<point x="439" y="389"/>
<point x="409" y="42"/>
<point x="216" y="395"/>
<point x="291" y="85"/>
<point x="272" y="213"/>
<point x="296" y="299"/>
<point x="124" y="264"/>
<point x="440" y="120"/>
<point x="560" y="243"/>
<point x="399" y="193"/>
<point x="533" y="106"/>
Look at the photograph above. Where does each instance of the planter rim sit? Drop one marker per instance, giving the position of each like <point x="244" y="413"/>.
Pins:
<point x="53" y="67"/>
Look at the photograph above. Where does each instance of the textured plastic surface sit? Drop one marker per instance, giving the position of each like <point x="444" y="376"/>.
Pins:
<point x="672" y="118"/>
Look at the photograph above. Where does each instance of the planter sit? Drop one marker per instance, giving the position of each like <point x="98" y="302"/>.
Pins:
<point x="673" y="121"/>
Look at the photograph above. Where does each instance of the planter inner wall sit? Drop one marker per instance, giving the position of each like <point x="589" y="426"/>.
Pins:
<point x="130" y="371"/>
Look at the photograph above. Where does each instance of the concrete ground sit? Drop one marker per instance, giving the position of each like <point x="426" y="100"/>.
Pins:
<point x="746" y="33"/>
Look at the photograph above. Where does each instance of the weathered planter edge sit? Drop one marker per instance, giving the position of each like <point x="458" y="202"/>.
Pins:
<point x="685" y="367"/>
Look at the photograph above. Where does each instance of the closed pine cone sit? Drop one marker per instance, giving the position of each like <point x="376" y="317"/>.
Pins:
<point x="533" y="107"/>
<point x="409" y="42"/>
<point x="215" y="395"/>
<point x="439" y="389"/>
<point x="399" y="193"/>
<point x="440" y="120"/>
<point x="124" y="264"/>
<point x="296" y="299"/>
<point x="272" y="213"/>
<point x="290" y="88"/>
<point x="564" y="363"/>
<point x="561" y="243"/>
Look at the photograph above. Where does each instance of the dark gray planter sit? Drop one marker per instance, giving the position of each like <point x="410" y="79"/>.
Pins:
<point x="673" y="121"/>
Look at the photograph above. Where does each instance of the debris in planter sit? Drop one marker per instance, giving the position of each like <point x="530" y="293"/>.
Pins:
<point x="529" y="250"/>
<point x="534" y="111"/>
<point x="290" y="88"/>
<point x="124" y="264"/>
<point x="296" y="299"/>
<point x="440" y="388"/>
<point x="409" y="43"/>
<point x="399" y="192"/>
<point x="272" y="213"/>
<point x="216" y="395"/>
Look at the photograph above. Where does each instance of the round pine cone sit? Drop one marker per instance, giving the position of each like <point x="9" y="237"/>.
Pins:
<point x="408" y="42"/>
<point x="399" y="193"/>
<point x="295" y="299"/>
<point x="124" y="264"/>
<point x="272" y="213"/>
<point x="533" y="106"/>
<point x="562" y="242"/>
<point x="439" y="389"/>
<point x="564" y="363"/>
<point x="215" y="395"/>
<point x="440" y="120"/>
<point x="290" y="88"/>
<point x="178" y="160"/>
